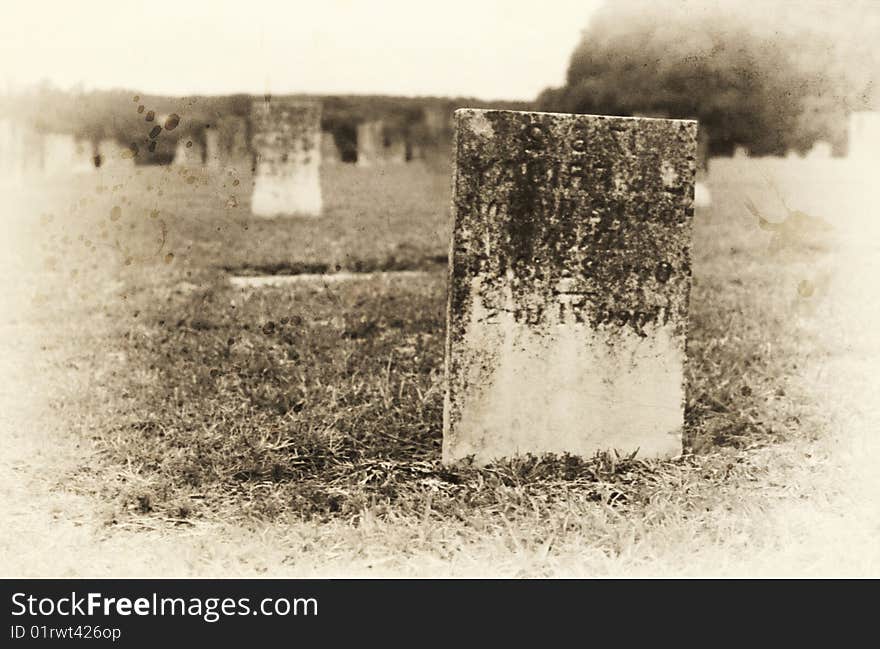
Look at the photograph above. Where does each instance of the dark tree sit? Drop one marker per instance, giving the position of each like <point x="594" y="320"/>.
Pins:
<point x="751" y="73"/>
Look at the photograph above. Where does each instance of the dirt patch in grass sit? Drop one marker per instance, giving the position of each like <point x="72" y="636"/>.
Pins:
<point x="386" y="264"/>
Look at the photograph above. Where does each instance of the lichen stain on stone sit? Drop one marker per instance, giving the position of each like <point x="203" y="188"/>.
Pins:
<point x="480" y="126"/>
<point x="668" y="175"/>
<point x="602" y="220"/>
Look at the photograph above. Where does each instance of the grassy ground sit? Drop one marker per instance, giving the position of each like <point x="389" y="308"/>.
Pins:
<point x="317" y="409"/>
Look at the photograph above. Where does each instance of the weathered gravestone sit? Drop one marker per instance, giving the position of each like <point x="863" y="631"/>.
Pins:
<point x="380" y="145"/>
<point x="329" y="151"/>
<point x="864" y="135"/>
<point x="85" y="152"/>
<point x="60" y="153"/>
<point x="214" y="157"/>
<point x="569" y="284"/>
<point x="34" y="151"/>
<point x="114" y="155"/>
<point x="414" y="149"/>
<point x="821" y="150"/>
<point x="436" y="119"/>
<point x="226" y="143"/>
<point x="287" y="144"/>
<point x="233" y="131"/>
<point x="187" y="152"/>
<point x="11" y="151"/>
<point x="703" y="150"/>
<point x="370" y="143"/>
<point x="22" y="151"/>
<point x="395" y="150"/>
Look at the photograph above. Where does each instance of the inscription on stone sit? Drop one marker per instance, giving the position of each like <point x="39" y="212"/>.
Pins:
<point x="569" y="284"/>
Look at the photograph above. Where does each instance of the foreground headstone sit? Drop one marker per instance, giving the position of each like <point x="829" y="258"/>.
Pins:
<point x="569" y="284"/>
<point x="287" y="145"/>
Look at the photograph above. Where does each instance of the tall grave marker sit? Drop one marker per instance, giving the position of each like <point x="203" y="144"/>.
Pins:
<point x="569" y="284"/>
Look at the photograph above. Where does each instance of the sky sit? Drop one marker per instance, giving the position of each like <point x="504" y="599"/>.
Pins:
<point x="489" y="49"/>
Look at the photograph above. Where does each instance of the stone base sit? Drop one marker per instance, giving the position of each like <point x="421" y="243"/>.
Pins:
<point x="295" y="193"/>
<point x="568" y="389"/>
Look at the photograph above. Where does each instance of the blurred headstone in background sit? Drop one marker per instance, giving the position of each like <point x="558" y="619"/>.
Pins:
<point x="329" y="151"/>
<point x="60" y="153"/>
<point x="370" y="143"/>
<point x="188" y="152"/>
<point x="226" y="145"/>
<point x="820" y="151"/>
<point x="113" y="155"/>
<point x="864" y="135"/>
<point x="11" y="151"/>
<point x="84" y="156"/>
<point x="214" y="157"/>
<point x="287" y="146"/>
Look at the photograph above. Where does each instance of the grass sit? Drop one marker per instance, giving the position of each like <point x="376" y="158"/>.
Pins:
<point x="325" y="403"/>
